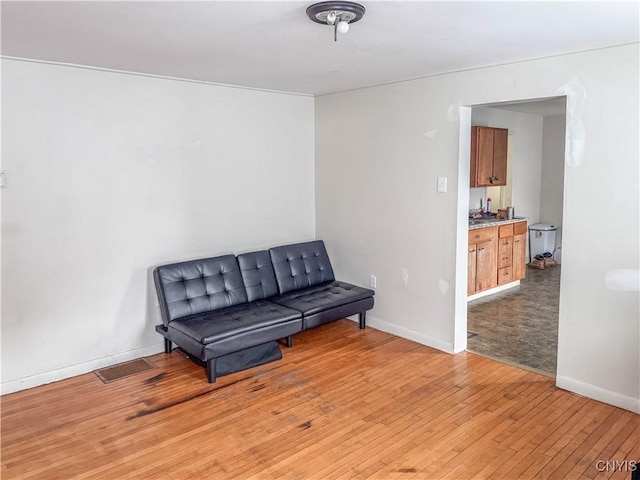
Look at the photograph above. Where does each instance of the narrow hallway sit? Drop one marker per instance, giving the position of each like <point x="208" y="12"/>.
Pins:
<point x="520" y="325"/>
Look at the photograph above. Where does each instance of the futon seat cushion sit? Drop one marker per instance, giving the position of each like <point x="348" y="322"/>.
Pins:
<point x="314" y="299"/>
<point x="218" y="325"/>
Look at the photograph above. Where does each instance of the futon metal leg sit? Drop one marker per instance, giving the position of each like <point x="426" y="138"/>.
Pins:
<point x="211" y="370"/>
<point x="362" y="316"/>
<point x="167" y="346"/>
<point x="289" y="341"/>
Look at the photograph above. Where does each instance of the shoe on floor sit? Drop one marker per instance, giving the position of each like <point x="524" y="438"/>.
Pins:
<point x="548" y="259"/>
<point x="537" y="262"/>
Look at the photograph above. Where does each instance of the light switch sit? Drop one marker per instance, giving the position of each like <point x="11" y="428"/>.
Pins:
<point x="442" y="184"/>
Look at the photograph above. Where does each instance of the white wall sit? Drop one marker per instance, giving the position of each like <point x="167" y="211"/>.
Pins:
<point x="109" y="175"/>
<point x="476" y="196"/>
<point x="525" y="156"/>
<point x="552" y="185"/>
<point x="378" y="209"/>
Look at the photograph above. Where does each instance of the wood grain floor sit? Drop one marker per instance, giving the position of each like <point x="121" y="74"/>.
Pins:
<point x="343" y="403"/>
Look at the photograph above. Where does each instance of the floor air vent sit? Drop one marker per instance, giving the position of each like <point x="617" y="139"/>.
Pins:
<point x="123" y="370"/>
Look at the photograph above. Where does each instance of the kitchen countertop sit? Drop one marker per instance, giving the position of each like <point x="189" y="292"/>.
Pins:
<point x="475" y="223"/>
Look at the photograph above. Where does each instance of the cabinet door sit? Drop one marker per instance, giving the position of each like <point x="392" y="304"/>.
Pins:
<point x="486" y="253"/>
<point x="484" y="158"/>
<point x="519" y="261"/>
<point x="500" y="139"/>
<point x="471" y="273"/>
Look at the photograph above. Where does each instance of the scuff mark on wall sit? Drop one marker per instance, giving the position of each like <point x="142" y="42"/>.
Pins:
<point x="444" y="286"/>
<point x="404" y="273"/>
<point x="453" y="112"/>
<point x="575" y="134"/>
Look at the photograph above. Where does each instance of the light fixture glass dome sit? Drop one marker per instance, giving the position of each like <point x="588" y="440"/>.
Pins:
<point x="343" y="27"/>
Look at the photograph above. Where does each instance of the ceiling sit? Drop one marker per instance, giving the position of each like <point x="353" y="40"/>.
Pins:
<point x="273" y="45"/>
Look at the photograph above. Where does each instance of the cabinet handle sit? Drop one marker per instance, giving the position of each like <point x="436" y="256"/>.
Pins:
<point x="477" y="236"/>
<point x="481" y="249"/>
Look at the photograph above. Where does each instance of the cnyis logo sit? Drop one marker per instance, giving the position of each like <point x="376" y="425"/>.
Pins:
<point x="610" y="466"/>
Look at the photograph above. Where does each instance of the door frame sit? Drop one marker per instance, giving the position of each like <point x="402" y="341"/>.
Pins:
<point x="462" y="224"/>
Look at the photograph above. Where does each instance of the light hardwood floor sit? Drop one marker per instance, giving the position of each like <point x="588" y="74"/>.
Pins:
<point x="343" y="403"/>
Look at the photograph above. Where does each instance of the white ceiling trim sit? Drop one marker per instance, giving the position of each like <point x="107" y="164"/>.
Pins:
<point x="298" y="94"/>
<point x="150" y="75"/>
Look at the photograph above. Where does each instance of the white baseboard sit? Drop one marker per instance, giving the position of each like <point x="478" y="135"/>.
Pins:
<point x="486" y="293"/>
<point x="71" y="371"/>
<point x="418" y="337"/>
<point x="600" y="394"/>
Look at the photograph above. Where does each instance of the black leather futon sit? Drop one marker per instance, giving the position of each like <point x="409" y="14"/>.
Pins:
<point x="229" y="311"/>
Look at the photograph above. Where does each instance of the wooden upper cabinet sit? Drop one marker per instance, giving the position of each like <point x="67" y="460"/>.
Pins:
<point x="488" y="156"/>
<point x="500" y="139"/>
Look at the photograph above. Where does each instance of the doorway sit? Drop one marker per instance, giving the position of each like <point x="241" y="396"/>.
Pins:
<point x="519" y="325"/>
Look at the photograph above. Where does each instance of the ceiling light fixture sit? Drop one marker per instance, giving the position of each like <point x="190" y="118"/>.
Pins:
<point x="339" y="15"/>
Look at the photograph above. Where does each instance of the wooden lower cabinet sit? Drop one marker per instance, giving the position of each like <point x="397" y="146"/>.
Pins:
<point x="482" y="258"/>
<point x="486" y="265"/>
<point x="505" y="251"/>
<point x="471" y="270"/>
<point x="520" y="256"/>
<point x="497" y="256"/>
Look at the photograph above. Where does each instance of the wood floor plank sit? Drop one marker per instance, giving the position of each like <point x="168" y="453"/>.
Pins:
<point x="343" y="403"/>
<point x="593" y="447"/>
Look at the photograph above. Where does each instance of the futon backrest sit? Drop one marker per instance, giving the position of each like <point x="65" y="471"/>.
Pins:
<point x="198" y="286"/>
<point x="258" y="275"/>
<point x="301" y="265"/>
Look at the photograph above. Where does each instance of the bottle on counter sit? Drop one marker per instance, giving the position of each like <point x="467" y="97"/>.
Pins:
<point x="488" y="205"/>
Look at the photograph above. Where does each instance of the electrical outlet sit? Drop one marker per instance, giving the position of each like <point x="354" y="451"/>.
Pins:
<point x="373" y="281"/>
<point x="442" y="184"/>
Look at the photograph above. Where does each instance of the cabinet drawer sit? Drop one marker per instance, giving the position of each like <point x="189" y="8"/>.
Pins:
<point x="519" y="228"/>
<point x="505" y="275"/>
<point x="505" y="231"/>
<point x="481" y="235"/>
<point x="505" y="252"/>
